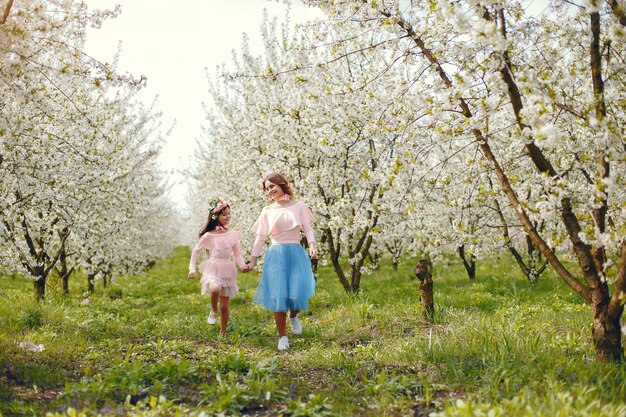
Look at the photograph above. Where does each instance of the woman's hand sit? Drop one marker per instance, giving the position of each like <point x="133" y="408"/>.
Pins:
<point x="192" y="275"/>
<point x="312" y="252"/>
<point x="252" y="263"/>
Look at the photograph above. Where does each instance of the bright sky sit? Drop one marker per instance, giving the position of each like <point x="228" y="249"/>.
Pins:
<point x="172" y="43"/>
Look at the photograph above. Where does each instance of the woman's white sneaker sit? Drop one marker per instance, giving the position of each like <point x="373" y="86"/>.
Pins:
<point x="283" y="343"/>
<point x="296" y="327"/>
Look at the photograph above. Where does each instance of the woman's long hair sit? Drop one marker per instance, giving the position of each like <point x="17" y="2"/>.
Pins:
<point x="279" y="180"/>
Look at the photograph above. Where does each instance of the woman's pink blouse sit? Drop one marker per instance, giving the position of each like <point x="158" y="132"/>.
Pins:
<point x="284" y="224"/>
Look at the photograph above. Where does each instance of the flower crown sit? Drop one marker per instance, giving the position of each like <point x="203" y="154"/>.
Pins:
<point x="264" y="178"/>
<point x="216" y="206"/>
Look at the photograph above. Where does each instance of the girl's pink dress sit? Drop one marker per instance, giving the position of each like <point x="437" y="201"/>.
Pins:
<point x="219" y="269"/>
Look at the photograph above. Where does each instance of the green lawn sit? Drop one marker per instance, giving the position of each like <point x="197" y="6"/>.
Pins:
<point x="498" y="347"/>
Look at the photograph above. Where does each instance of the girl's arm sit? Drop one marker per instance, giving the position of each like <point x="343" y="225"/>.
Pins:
<point x="202" y="243"/>
<point x="238" y="257"/>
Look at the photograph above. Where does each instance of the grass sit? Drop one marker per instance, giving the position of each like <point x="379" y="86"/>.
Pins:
<point x="498" y="346"/>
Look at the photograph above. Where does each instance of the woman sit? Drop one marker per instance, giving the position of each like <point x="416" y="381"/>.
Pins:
<point x="287" y="281"/>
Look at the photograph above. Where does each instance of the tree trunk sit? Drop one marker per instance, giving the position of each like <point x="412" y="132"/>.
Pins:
<point x="607" y="336"/>
<point x="355" y="279"/>
<point x="63" y="272"/>
<point x="362" y="249"/>
<point x="40" y="287"/>
<point x="334" y="259"/>
<point x="423" y="272"/>
<point x="90" y="282"/>
<point x="468" y="263"/>
<point x="65" y="285"/>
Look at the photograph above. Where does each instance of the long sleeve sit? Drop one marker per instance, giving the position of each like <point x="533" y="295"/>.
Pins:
<point x="259" y="243"/>
<point x="262" y="230"/>
<point x="194" y="257"/>
<point x="308" y="232"/>
<point x="238" y="257"/>
<point x="306" y="217"/>
<point x="202" y="244"/>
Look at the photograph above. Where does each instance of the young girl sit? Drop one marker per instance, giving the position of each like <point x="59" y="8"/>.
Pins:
<point x="219" y="273"/>
<point x="287" y="281"/>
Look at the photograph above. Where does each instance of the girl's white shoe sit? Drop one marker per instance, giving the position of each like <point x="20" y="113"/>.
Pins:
<point x="212" y="318"/>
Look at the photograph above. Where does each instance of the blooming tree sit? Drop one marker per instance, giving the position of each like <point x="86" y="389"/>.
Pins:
<point x="75" y="159"/>
<point x="315" y="115"/>
<point x="542" y="99"/>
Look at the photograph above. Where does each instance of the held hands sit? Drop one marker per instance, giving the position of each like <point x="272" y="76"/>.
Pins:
<point x="192" y="275"/>
<point x="246" y="268"/>
<point x="250" y="265"/>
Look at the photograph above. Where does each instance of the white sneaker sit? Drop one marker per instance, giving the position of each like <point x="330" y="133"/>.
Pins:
<point x="296" y="327"/>
<point x="283" y="343"/>
<point x="212" y="318"/>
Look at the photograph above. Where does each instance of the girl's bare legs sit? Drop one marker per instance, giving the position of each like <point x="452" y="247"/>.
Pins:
<point x="280" y="317"/>
<point x="224" y="313"/>
<point x="215" y="294"/>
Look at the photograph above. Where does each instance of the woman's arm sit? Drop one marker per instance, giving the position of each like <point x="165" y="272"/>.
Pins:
<point x="308" y="232"/>
<point x="259" y="243"/>
<point x="310" y="238"/>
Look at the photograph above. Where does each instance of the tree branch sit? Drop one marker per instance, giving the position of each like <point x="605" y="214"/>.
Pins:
<point x="507" y="238"/>
<point x="529" y="227"/>
<point x="7" y="10"/>
<point x="25" y="258"/>
<point x="65" y="234"/>
<point x="583" y="252"/>
<point x="570" y="110"/>
<point x="618" y="11"/>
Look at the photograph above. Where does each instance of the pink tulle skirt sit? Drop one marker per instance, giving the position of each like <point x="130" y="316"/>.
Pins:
<point x="219" y="273"/>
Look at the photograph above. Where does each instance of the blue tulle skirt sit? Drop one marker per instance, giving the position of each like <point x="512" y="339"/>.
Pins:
<point x="287" y="281"/>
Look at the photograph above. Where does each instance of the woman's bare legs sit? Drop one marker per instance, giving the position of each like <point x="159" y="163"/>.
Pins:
<point x="280" y="317"/>
<point x="296" y="327"/>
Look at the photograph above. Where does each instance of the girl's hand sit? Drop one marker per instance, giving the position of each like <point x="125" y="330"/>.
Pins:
<point x="312" y="252"/>
<point x="192" y="275"/>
